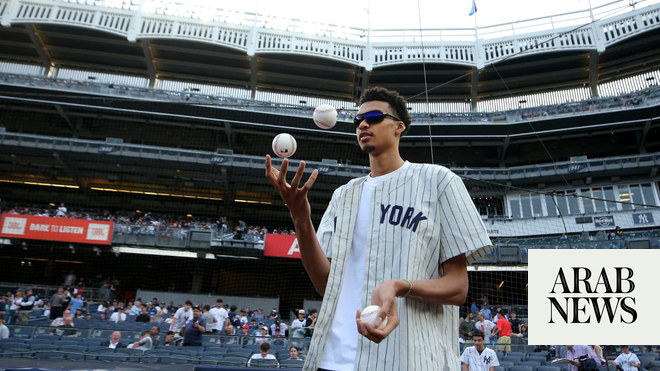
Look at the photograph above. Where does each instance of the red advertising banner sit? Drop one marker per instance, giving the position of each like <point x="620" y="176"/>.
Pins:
<point x="282" y="245"/>
<point x="56" y="229"/>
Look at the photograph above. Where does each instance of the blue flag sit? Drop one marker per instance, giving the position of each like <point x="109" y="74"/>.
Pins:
<point x="474" y="7"/>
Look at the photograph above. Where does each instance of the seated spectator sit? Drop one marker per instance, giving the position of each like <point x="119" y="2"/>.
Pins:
<point x="158" y="318"/>
<point x="279" y="338"/>
<point x="76" y="303"/>
<point x="66" y="329"/>
<point x="273" y="315"/>
<point x="168" y="340"/>
<point x="102" y="316"/>
<point x="118" y="316"/>
<point x="582" y="357"/>
<point x="279" y="325"/>
<point x="143" y="316"/>
<point x="4" y="330"/>
<point x="311" y="322"/>
<point x="293" y="353"/>
<point x="264" y="350"/>
<point x="58" y="322"/>
<point x="144" y="342"/>
<point x="228" y="337"/>
<point x="114" y="341"/>
<point x="298" y="324"/>
<point x="245" y="335"/>
<point x="155" y="334"/>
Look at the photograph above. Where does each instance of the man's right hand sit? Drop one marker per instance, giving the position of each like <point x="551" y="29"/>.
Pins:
<point x="294" y="197"/>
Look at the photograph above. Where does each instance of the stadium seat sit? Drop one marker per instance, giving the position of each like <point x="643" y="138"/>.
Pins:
<point x="210" y="359"/>
<point x="134" y="355"/>
<point x="264" y="363"/>
<point x="41" y="341"/>
<point x="232" y="360"/>
<point x="548" y="368"/>
<point x="514" y="357"/>
<point x="654" y="366"/>
<point x="177" y="359"/>
<point x="75" y="352"/>
<point x="506" y="364"/>
<point x="293" y="363"/>
<point x="240" y="352"/>
<point x="530" y="363"/>
<point x="521" y="368"/>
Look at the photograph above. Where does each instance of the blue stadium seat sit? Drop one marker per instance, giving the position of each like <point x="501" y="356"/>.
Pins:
<point x="74" y="352"/>
<point x="263" y="363"/>
<point x="231" y="360"/>
<point x="241" y="352"/>
<point x="291" y="363"/>
<point x="548" y="368"/>
<point x="177" y="359"/>
<point x="654" y="366"/>
<point x="134" y="355"/>
<point x="210" y="359"/>
<point x="521" y="368"/>
<point x="530" y="363"/>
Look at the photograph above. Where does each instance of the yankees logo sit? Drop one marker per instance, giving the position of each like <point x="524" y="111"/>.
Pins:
<point x="487" y="360"/>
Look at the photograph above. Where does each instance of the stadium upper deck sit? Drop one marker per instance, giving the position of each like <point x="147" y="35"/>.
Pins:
<point x="573" y="51"/>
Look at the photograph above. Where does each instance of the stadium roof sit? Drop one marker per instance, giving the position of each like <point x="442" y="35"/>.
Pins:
<point x="340" y="66"/>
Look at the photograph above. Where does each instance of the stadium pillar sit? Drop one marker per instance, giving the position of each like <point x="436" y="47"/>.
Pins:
<point x="197" y="276"/>
<point x="593" y="73"/>
<point x="360" y="83"/>
<point x="253" y="76"/>
<point x="475" y="89"/>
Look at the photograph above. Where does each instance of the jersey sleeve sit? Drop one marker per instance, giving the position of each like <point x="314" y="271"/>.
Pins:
<point x="462" y="230"/>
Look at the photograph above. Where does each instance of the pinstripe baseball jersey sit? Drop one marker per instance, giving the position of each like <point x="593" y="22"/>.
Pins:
<point x="419" y="218"/>
<point x="479" y="361"/>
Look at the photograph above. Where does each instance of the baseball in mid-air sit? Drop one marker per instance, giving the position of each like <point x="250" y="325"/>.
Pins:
<point x="284" y="145"/>
<point x="325" y="116"/>
<point x="369" y="315"/>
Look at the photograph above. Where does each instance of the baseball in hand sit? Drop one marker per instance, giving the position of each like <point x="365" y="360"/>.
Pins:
<point x="325" y="116"/>
<point x="284" y="145"/>
<point x="370" y="314"/>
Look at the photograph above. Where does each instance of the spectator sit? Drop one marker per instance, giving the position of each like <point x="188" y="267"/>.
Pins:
<point x="582" y="358"/>
<point x="66" y="328"/>
<point x="194" y="329"/>
<point x="311" y="322"/>
<point x="242" y="318"/>
<point x="143" y="316"/>
<point x="61" y="211"/>
<point x="487" y="313"/>
<point x="182" y="316"/>
<point x="279" y="338"/>
<point x="144" y="342"/>
<point x="114" y="341"/>
<point x="229" y="337"/>
<point x="208" y="317"/>
<point x="264" y="350"/>
<point x="465" y="328"/>
<point x="4" y="330"/>
<point x="158" y="318"/>
<point x="168" y="340"/>
<point x="273" y="315"/>
<point x="503" y="331"/>
<point x="56" y="303"/>
<point x="478" y="357"/>
<point x="25" y="306"/>
<point x="70" y="279"/>
<point x="118" y="316"/>
<point x="258" y="315"/>
<point x="76" y="303"/>
<point x="523" y="332"/>
<point x="515" y="322"/>
<point x="298" y="323"/>
<point x="474" y="308"/>
<point x="59" y="321"/>
<point x="171" y="308"/>
<point x="155" y="334"/>
<point x="485" y="326"/>
<point x="627" y="360"/>
<point x="103" y="307"/>
<point x="278" y="325"/>
<point x="245" y="335"/>
<point x="293" y="353"/>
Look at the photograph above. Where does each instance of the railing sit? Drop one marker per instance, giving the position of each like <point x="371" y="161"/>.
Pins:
<point x="255" y="33"/>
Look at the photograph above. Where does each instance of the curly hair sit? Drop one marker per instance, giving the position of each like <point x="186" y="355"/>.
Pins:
<point x="393" y="98"/>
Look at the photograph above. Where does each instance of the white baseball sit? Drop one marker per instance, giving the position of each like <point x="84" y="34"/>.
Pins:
<point x="284" y="145"/>
<point x="325" y="116"/>
<point x="370" y="314"/>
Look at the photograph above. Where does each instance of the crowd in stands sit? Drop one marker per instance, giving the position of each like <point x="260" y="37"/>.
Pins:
<point x="148" y="223"/>
<point x="496" y="326"/>
<point x="192" y="95"/>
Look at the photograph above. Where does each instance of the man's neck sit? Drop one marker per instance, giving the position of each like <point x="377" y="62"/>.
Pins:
<point x="385" y="163"/>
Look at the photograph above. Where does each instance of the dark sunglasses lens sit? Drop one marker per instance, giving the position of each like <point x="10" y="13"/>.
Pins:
<point x="372" y="117"/>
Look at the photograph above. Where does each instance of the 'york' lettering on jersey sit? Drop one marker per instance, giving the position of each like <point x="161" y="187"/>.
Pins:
<point x="399" y="217"/>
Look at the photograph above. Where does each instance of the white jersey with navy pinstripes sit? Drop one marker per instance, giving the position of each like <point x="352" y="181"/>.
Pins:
<point x="479" y="361"/>
<point x="419" y="218"/>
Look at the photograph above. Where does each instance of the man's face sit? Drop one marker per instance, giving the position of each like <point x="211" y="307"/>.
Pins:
<point x="480" y="317"/>
<point x="115" y="336"/>
<point x="219" y="304"/>
<point x="625" y="350"/>
<point x="301" y="316"/>
<point x="378" y="137"/>
<point x="470" y="316"/>
<point x="154" y="330"/>
<point x="196" y="313"/>
<point x="169" y="338"/>
<point x="478" y="342"/>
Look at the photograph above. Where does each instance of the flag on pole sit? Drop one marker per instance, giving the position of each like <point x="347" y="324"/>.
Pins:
<point x="474" y="7"/>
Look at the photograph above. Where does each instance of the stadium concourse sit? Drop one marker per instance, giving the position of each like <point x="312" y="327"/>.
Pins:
<point x="149" y="131"/>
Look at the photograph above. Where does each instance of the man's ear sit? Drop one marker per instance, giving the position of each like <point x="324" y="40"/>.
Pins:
<point x="401" y="127"/>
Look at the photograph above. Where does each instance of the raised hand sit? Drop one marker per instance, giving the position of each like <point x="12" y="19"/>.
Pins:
<point x="294" y="196"/>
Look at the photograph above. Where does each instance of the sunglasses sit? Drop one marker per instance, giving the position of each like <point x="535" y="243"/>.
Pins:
<point x="372" y="117"/>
